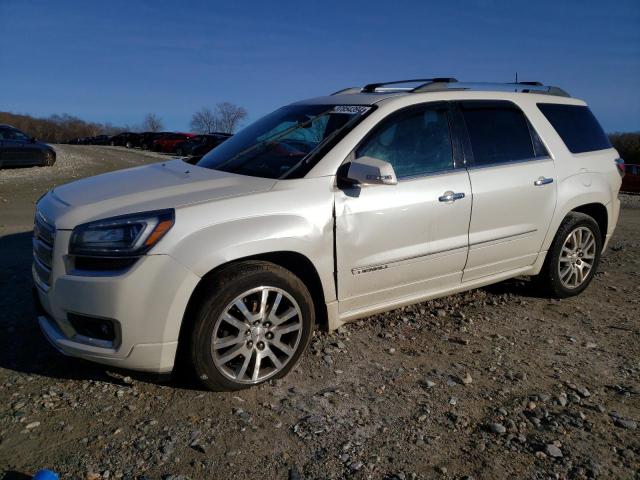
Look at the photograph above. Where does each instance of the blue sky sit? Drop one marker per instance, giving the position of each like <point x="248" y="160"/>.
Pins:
<point x="116" y="61"/>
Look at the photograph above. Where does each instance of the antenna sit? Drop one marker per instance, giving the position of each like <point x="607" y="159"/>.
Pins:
<point x="516" y="77"/>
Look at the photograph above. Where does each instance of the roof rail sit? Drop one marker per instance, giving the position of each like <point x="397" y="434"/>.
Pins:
<point x="447" y="83"/>
<point x="346" y="91"/>
<point x="379" y="87"/>
<point x="524" y="87"/>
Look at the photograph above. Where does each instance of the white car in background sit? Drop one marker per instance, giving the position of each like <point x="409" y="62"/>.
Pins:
<point x="325" y="211"/>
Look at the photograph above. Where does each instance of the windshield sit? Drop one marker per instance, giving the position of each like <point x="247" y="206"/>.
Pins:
<point x="277" y="144"/>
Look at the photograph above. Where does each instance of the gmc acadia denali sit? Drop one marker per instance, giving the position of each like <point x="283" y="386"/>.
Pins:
<point x="325" y="211"/>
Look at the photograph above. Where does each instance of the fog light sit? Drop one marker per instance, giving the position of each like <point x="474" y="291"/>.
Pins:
<point x="94" y="328"/>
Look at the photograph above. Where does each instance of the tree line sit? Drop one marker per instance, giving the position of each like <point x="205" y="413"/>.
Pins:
<point x="224" y="117"/>
<point x="628" y="146"/>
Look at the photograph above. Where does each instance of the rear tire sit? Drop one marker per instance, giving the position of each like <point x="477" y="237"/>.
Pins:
<point x="573" y="258"/>
<point x="254" y="325"/>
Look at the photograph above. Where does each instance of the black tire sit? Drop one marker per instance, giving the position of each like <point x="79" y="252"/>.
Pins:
<point x="548" y="280"/>
<point x="50" y="159"/>
<point x="226" y="286"/>
<point x="179" y="152"/>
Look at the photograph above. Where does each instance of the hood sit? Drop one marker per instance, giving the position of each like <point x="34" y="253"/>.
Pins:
<point x="153" y="187"/>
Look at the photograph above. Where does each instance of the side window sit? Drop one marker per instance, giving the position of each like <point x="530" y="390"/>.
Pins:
<point x="12" y="134"/>
<point x="18" y="135"/>
<point x="499" y="133"/>
<point x="416" y="141"/>
<point x="577" y="126"/>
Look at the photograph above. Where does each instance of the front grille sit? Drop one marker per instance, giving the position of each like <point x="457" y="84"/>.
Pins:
<point x="44" y="236"/>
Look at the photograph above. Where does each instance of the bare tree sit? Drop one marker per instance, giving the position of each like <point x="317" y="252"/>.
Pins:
<point x="204" y="121"/>
<point x="229" y="117"/>
<point x="152" y="123"/>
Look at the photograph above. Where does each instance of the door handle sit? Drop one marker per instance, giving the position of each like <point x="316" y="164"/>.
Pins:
<point x="543" y="181"/>
<point x="450" y="197"/>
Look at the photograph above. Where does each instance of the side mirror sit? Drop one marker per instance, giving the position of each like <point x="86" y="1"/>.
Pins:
<point x="371" y="171"/>
<point x="33" y="139"/>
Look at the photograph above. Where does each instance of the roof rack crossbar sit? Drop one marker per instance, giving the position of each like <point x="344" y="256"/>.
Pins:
<point x="373" y="87"/>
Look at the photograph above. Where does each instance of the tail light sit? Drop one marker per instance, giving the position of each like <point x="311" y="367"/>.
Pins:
<point x="620" y="165"/>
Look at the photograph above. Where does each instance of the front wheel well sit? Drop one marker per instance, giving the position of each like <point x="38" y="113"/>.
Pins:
<point x="295" y="262"/>
<point x="598" y="212"/>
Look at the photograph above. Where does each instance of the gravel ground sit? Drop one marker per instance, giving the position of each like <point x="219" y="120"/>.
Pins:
<point x="493" y="383"/>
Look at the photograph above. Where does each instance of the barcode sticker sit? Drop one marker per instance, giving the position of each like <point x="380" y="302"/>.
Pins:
<point x="350" y="109"/>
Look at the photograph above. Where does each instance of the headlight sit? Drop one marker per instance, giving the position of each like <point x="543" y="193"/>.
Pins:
<point x="124" y="236"/>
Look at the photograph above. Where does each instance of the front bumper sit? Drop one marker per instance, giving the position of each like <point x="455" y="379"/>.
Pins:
<point x="148" y="303"/>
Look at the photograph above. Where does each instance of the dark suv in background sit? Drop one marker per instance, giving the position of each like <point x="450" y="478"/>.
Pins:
<point x="17" y="149"/>
<point x="126" y="139"/>
<point x="200" y="144"/>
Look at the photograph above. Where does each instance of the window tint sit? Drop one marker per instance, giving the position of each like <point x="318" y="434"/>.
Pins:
<point x="577" y="126"/>
<point x="414" y="142"/>
<point x="18" y="135"/>
<point x="499" y="133"/>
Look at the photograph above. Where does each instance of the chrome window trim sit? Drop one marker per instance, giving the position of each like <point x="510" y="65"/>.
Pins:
<point x="474" y="166"/>
<point x="429" y="174"/>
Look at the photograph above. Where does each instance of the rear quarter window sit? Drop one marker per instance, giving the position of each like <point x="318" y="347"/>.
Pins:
<point x="577" y="126"/>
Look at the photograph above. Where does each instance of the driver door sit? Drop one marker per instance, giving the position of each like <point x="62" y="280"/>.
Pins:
<point x="401" y="242"/>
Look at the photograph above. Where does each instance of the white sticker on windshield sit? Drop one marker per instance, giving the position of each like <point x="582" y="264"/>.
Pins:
<point x="350" y="109"/>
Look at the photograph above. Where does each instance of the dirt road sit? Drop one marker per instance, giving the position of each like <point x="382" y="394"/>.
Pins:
<point x="494" y="383"/>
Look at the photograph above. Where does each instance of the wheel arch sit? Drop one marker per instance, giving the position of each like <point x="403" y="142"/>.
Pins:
<point x="295" y="262"/>
<point x="599" y="213"/>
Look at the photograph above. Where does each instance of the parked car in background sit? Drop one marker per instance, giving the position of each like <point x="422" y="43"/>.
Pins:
<point x="101" y="140"/>
<point x="17" y="149"/>
<point x="167" y="143"/>
<point x="126" y="139"/>
<point x="323" y="212"/>
<point x="631" y="180"/>
<point x="200" y="144"/>
<point x="147" y="139"/>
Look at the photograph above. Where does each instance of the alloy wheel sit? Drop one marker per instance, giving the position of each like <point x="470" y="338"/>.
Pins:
<point x="256" y="335"/>
<point x="577" y="257"/>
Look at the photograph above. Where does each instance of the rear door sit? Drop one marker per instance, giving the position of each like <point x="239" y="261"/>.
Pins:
<point x="395" y="242"/>
<point x="513" y="184"/>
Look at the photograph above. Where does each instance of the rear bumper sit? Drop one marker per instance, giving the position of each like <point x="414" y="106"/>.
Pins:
<point x="614" y="213"/>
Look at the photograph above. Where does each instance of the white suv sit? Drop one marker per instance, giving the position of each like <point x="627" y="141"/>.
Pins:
<point x="324" y="211"/>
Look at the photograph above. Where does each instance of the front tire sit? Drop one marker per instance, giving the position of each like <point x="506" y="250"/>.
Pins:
<point x="50" y="159"/>
<point x="254" y="326"/>
<point x="573" y="258"/>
